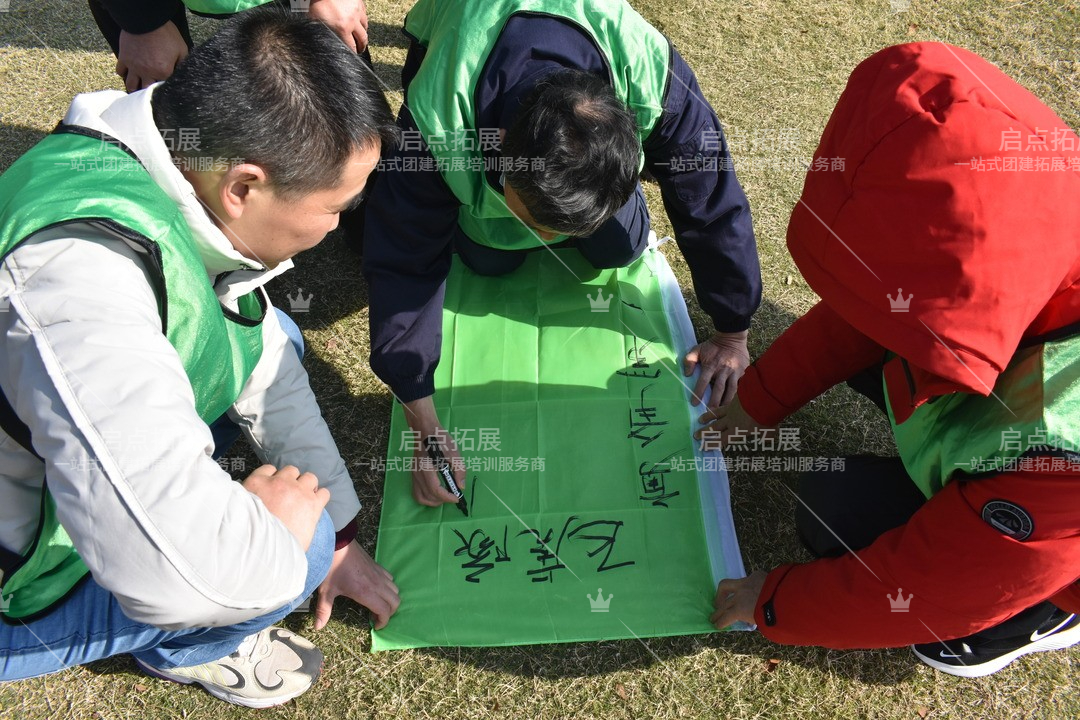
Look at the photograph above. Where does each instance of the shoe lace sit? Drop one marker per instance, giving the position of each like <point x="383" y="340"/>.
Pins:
<point x="248" y="647"/>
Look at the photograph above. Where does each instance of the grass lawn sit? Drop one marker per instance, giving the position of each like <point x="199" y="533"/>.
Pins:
<point x="773" y="70"/>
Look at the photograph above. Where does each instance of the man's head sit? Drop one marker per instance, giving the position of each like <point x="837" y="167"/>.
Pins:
<point x="296" y="115"/>
<point x="585" y="142"/>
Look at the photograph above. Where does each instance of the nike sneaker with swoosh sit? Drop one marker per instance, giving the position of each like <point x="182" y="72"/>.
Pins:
<point x="975" y="656"/>
<point x="269" y="668"/>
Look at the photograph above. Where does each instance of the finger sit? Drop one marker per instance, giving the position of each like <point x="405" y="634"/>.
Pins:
<point x="347" y="38"/>
<point x="389" y="593"/>
<point x="423" y="492"/>
<point x="381" y="610"/>
<point x="308" y="479"/>
<point x="393" y="602"/>
<point x="265" y="471"/>
<point x="323" y="496"/>
<point x="289" y="472"/>
<point x="722" y="618"/>
<point x="690" y="362"/>
<point x="361" y="37"/>
<point x="436" y="491"/>
<point x="712" y="413"/>
<point x="121" y="69"/>
<point x="420" y="495"/>
<point x="132" y="82"/>
<point x="730" y="386"/>
<point x="324" y="606"/>
<point x="718" y="386"/>
<point x="699" y="388"/>
<point x="725" y="589"/>
<point x="445" y="496"/>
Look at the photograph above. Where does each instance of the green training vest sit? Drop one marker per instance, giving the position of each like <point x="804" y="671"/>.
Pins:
<point x="222" y="7"/>
<point x="77" y="175"/>
<point x="1039" y="409"/>
<point x="459" y="35"/>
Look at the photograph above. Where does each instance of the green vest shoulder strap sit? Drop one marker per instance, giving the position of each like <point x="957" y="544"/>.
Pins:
<point x="80" y="175"/>
<point x="459" y="35"/>
<point x="226" y="7"/>
<point x="1034" y="408"/>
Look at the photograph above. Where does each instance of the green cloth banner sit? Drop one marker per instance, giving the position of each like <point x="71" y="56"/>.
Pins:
<point x="592" y="514"/>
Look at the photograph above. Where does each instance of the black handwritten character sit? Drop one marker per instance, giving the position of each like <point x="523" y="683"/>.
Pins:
<point x="478" y="551"/>
<point x="639" y="368"/>
<point x="549" y="559"/>
<point x="654" y="481"/>
<point x="644" y="421"/>
<point x="607" y="541"/>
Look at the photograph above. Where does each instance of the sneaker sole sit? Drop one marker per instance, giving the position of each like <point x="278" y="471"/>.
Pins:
<point x="1057" y="641"/>
<point x="223" y="694"/>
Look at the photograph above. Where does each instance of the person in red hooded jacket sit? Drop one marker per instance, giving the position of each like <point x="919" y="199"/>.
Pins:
<point x="961" y="188"/>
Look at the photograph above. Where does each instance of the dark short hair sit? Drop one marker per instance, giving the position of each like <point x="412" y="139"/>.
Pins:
<point x="279" y="91"/>
<point x="587" y="140"/>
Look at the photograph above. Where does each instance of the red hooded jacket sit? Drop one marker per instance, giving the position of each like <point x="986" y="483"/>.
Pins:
<point x="960" y="188"/>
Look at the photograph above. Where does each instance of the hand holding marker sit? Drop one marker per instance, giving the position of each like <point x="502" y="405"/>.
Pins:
<point x="434" y="448"/>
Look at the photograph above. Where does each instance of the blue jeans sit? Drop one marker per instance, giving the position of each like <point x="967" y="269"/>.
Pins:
<point x="90" y="625"/>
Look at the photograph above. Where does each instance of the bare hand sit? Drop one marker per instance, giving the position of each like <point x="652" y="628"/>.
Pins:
<point x="428" y="487"/>
<point x="149" y="57"/>
<point x="356" y="576"/>
<point x="293" y="498"/>
<point x="736" y="599"/>
<point x="723" y="359"/>
<point x="725" y="420"/>
<point x="348" y="18"/>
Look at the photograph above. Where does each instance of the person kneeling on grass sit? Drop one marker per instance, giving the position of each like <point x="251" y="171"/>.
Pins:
<point x="137" y="336"/>
<point x="961" y="188"/>
<point x="527" y="125"/>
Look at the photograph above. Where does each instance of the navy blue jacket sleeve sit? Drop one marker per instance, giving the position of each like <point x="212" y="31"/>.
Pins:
<point x="687" y="154"/>
<point x="410" y="226"/>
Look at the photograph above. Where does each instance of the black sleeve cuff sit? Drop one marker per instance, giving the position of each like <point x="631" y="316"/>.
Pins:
<point x="142" y="16"/>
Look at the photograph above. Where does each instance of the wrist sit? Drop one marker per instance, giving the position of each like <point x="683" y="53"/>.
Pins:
<point x="420" y="414"/>
<point x="737" y="335"/>
<point x="345" y="535"/>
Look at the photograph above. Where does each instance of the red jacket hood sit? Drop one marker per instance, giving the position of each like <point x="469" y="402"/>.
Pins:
<point x="985" y="254"/>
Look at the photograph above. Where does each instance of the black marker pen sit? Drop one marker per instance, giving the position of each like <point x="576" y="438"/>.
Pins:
<point x="443" y="468"/>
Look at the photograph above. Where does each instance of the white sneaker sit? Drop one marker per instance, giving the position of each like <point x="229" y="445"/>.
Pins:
<point x="269" y="668"/>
